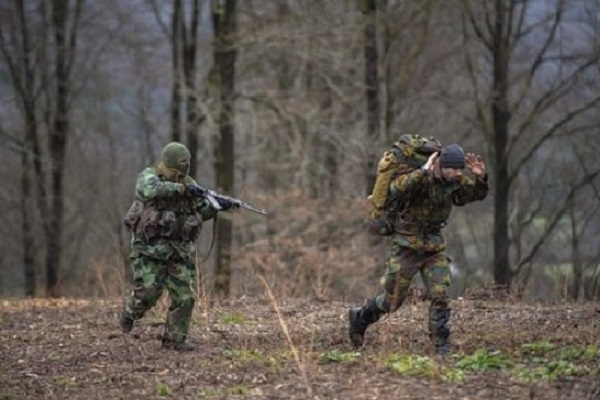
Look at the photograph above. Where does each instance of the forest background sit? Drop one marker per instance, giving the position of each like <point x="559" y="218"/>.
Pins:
<point x="288" y="104"/>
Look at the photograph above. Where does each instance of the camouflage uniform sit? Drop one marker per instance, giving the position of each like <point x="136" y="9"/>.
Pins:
<point x="165" y="221"/>
<point x="418" y="246"/>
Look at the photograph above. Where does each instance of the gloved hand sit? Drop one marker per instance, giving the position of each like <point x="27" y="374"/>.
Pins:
<point x="193" y="191"/>
<point x="226" y="204"/>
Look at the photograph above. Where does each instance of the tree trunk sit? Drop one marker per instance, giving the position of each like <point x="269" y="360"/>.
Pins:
<point x="191" y="93"/>
<point x="23" y="78"/>
<point x="176" y="39"/>
<point x="575" y="286"/>
<point x="501" y="117"/>
<point x="65" y="45"/>
<point x="27" y="224"/>
<point x="224" y="58"/>
<point x="372" y="90"/>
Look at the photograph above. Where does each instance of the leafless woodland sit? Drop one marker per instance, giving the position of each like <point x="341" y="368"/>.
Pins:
<point x="287" y="104"/>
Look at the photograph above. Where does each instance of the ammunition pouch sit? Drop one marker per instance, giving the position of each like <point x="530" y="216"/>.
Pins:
<point x="168" y="224"/>
<point x="133" y="215"/>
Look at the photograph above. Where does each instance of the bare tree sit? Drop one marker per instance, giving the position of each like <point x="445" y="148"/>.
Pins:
<point x="522" y="95"/>
<point x="369" y="8"/>
<point x="61" y="25"/>
<point x="224" y="25"/>
<point x="18" y="54"/>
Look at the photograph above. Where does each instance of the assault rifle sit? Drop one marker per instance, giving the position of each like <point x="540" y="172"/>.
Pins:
<point x="213" y="196"/>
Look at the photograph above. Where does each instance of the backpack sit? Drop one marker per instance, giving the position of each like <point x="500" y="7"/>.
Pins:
<point x="410" y="152"/>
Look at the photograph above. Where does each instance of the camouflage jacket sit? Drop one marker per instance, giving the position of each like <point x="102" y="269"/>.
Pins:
<point x="426" y="203"/>
<point x="164" y="222"/>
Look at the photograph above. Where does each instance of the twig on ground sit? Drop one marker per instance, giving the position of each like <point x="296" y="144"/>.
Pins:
<point x="285" y="330"/>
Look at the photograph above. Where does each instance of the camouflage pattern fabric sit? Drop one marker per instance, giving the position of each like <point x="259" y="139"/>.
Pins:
<point x="150" y="277"/>
<point x="429" y="202"/>
<point x="163" y="247"/>
<point x="418" y="243"/>
<point x="402" y="265"/>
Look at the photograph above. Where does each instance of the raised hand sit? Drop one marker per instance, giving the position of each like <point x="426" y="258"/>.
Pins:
<point x="475" y="164"/>
<point x="429" y="164"/>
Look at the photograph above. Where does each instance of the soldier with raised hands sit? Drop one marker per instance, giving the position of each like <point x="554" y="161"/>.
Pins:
<point x="427" y="195"/>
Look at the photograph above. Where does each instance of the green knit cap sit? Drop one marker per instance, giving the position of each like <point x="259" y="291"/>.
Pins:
<point x="177" y="156"/>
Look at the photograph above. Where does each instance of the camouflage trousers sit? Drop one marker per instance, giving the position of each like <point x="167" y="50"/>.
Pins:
<point x="150" y="277"/>
<point x="403" y="263"/>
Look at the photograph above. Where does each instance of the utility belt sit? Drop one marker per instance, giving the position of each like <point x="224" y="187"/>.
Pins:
<point x="418" y="227"/>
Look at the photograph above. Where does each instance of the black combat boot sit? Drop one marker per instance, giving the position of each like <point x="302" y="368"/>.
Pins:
<point x="360" y="319"/>
<point x="439" y="331"/>
<point x="126" y="323"/>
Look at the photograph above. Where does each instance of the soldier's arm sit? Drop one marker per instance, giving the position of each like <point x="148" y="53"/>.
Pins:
<point x="470" y="190"/>
<point x="205" y="209"/>
<point x="203" y="206"/>
<point x="149" y="187"/>
<point x="406" y="186"/>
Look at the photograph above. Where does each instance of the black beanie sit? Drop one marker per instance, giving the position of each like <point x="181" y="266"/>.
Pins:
<point x="452" y="156"/>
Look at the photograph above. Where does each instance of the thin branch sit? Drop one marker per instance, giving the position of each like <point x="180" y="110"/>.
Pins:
<point x="557" y="217"/>
<point x="155" y="10"/>
<point x="540" y="56"/>
<point x="478" y="31"/>
<point x="73" y="37"/>
<point x="549" y="134"/>
<point x="550" y="97"/>
<point x="480" y="112"/>
<point x="288" y="337"/>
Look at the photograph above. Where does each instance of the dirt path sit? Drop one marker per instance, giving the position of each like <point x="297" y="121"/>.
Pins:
<point x="70" y="349"/>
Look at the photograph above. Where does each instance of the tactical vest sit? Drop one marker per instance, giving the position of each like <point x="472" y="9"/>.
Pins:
<point x="169" y="218"/>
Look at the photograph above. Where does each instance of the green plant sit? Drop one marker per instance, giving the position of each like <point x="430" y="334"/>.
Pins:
<point x="337" y="356"/>
<point x="482" y="360"/>
<point x="537" y="348"/>
<point x="64" y="381"/>
<point x="579" y="353"/>
<point x="239" y="390"/>
<point x="550" y="371"/>
<point x="163" y="390"/>
<point x="411" y="365"/>
<point x="564" y="368"/>
<point x="234" y="318"/>
<point x="453" y="375"/>
<point x="206" y="392"/>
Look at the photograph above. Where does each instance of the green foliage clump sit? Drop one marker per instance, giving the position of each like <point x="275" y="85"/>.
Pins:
<point x="64" y="382"/>
<point x="482" y="361"/>
<point x="337" y="356"/>
<point x="163" y="390"/>
<point x="411" y="365"/>
<point x="537" y="348"/>
<point x="579" y="353"/>
<point x="239" y="390"/>
<point x="549" y="371"/>
<point x="234" y="319"/>
<point x="204" y="393"/>
<point x="453" y="375"/>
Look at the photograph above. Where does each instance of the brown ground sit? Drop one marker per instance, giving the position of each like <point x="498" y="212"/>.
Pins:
<point x="69" y="349"/>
